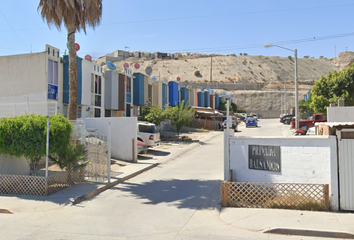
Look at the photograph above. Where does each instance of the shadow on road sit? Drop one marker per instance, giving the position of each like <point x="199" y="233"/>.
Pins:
<point x="191" y="194"/>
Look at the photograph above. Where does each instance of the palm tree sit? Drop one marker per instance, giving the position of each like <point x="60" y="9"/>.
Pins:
<point x="75" y="14"/>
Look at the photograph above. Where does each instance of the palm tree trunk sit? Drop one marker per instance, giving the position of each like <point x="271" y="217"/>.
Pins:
<point x="72" y="110"/>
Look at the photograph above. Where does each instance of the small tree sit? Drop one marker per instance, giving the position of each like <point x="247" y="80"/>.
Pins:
<point x="180" y="116"/>
<point x="156" y="115"/>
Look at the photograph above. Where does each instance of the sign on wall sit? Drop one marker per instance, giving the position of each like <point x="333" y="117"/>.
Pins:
<point x="262" y="157"/>
<point x="52" y="92"/>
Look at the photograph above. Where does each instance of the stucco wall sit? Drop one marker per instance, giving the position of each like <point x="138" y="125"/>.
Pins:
<point x="123" y="130"/>
<point x="311" y="160"/>
<point x="340" y="114"/>
<point x="22" y="76"/>
<point x="13" y="166"/>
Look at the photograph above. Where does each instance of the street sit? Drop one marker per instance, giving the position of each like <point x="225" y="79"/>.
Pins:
<point x="179" y="199"/>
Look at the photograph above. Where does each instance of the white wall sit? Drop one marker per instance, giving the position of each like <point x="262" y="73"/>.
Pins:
<point x="89" y="68"/>
<point x="23" y="76"/>
<point x="123" y="130"/>
<point x="340" y="114"/>
<point x="14" y="166"/>
<point x="310" y="160"/>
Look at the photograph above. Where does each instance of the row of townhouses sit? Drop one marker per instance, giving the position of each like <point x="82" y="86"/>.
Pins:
<point x="44" y="78"/>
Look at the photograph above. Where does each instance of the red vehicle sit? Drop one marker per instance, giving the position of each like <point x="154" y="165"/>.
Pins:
<point x="306" y="124"/>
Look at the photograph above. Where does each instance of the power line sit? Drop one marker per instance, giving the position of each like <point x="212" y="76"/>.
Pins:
<point x="13" y="29"/>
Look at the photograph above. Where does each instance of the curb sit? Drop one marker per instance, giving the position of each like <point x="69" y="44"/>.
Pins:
<point x="310" y="233"/>
<point x="110" y="185"/>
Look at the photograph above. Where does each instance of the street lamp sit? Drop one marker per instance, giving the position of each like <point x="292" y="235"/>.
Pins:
<point x="296" y="88"/>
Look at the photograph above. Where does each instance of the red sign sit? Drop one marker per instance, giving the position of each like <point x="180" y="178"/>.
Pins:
<point x="77" y="46"/>
<point x="137" y="65"/>
<point x="126" y="65"/>
<point x="178" y="78"/>
<point x="88" y="57"/>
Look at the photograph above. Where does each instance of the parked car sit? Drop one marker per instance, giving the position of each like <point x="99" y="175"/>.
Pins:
<point x="286" y="119"/>
<point x="142" y="147"/>
<point x="251" y="122"/>
<point x="233" y="125"/>
<point x="306" y="124"/>
<point x="311" y="131"/>
<point x="148" y="134"/>
<point x="254" y="115"/>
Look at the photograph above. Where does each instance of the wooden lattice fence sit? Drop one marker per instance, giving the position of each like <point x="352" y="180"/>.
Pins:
<point x="275" y="195"/>
<point x="39" y="185"/>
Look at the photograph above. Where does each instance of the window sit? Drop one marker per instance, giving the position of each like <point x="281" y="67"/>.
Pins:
<point x="97" y="112"/>
<point x="94" y="67"/>
<point x="96" y="89"/>
<point x="52" y="72"/>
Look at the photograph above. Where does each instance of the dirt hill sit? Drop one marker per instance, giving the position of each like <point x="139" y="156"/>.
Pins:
<point x="268" y="72"/>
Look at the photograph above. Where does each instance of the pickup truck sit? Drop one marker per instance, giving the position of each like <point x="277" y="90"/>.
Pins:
<point x="306" y="124"/>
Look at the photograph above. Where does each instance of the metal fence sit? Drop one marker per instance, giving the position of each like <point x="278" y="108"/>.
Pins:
<point x="230" y="86"/>
<point x="98" y="151"/>
<point x="17" y="109"/>
<point x="275" y="195"/>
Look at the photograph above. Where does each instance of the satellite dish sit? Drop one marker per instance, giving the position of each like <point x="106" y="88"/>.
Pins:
<point x="193" y="84"/>
<point x="165" y="80"/>
<point x="185" y="83"/>
<point x="212" y="91"/>
<point x="137" y="65"/>
<point x="126" y="65"/>
<point x="154" y="79"/>
<point x="88" y="57"/>
<point x="224" y="93"/>
<point x="201" y="88"/>
<point x="111" y="66"/>
<point x="208" y="88"/>
<point x="148" y="70"/>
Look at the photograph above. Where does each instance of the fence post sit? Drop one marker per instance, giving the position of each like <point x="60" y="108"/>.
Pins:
<point x="224" y="194"/>
<point x="326" y="195"/>
<point x="109" y="153"/>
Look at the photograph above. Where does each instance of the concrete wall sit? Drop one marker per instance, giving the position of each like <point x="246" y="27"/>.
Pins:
<point x="89" y="68"/>
<point x="14" y="166"/>
<point x="310" y="160"/>
<point x="157" y="93"/>
<point x="23" y="76"/>
<point x="123" y="130"/>
<point x="340" y="114"/>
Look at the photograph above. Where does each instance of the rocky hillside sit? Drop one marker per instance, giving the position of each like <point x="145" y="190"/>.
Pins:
<point x="271" y="71"/>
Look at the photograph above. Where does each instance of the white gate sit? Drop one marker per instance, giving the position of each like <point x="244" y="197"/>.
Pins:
<point x="346" y="172"/>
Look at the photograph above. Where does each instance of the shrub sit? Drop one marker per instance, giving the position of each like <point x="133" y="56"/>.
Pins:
<point x="221" y="72"/>
<point x="25" y="136"/>
<point x="244" y="62"/>
<point x="290" y="58"/>
<point x="176" y="58"/>
<point x="197" y="73"/>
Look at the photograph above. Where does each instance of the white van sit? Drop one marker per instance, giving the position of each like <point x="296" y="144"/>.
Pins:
<point x="148" y="134"/>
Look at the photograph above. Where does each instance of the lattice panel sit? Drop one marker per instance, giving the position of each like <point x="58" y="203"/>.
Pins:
<point x="62" y="180"/>
<point x="39" y="185"/>
<point x="22" y="185"/>
<point x="275" y="195"/>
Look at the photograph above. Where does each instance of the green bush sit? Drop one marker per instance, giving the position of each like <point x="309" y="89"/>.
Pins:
<point x="25" y="136"/>
<point x="197" y="73"/>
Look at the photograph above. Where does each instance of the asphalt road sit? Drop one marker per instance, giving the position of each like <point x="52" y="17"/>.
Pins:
<point x="177" y="200"/>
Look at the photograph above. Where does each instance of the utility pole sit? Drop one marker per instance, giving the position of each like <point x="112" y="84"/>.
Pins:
<point x="211" y="68"/>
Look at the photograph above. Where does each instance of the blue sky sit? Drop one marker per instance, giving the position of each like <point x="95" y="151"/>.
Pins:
<point x="315" y="28"/>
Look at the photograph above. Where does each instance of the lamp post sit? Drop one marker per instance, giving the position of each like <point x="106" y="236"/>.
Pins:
<point x="296" y="81"/>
